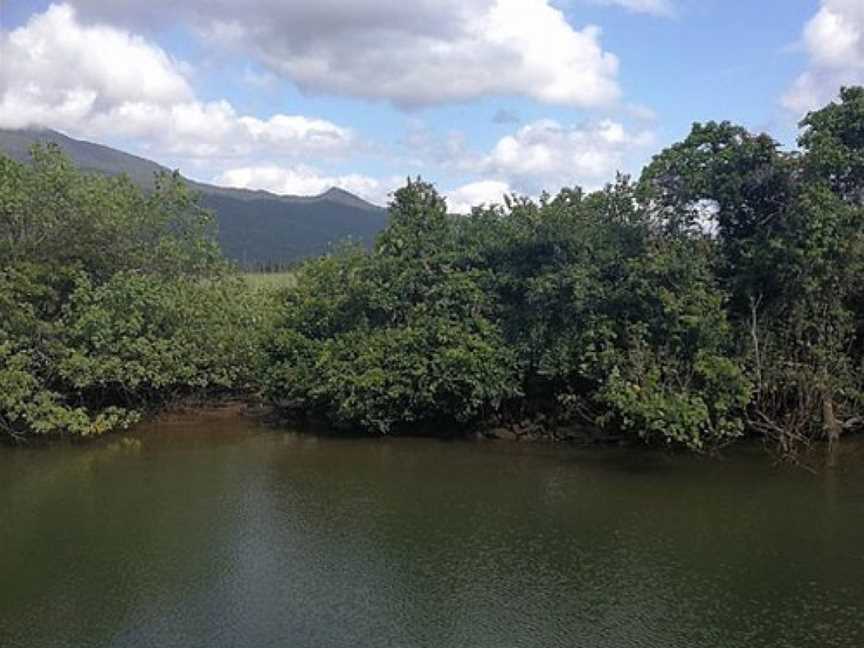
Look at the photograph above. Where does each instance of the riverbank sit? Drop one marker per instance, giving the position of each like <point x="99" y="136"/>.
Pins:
<point x="223" y="416"/>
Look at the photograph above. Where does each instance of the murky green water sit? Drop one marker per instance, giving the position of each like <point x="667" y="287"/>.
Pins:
<point x="216" y="533"/>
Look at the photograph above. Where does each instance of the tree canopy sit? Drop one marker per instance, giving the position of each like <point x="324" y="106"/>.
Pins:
<point x="716" y="296"/>
<point x="112" y="301"/>
<point x="719" y="295"/>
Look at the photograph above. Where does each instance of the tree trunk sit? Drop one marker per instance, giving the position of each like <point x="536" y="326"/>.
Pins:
<point x="830" y="424"/>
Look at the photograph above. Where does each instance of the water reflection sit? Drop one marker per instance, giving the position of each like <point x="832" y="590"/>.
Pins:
<point x="216" y="533"/>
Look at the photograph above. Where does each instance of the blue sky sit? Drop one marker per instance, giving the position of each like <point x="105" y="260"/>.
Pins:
<point x="479" y="96"/>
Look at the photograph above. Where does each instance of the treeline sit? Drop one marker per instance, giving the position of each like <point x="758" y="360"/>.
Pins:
<point x="717" y="296"/>
<point x="720" y="295"/>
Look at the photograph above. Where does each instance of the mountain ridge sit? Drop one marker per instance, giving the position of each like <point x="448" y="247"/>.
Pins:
<point x="17" y="142"/>
<point x="256" y="227"/>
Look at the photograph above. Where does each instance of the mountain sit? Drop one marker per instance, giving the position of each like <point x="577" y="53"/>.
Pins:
<point x="255" y="227"/>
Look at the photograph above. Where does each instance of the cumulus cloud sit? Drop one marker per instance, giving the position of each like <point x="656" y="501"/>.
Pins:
<point x="488" y="192"/>
<point x="214" y="129"/>
<point x="547" y="155"/>
<point x="834" y="40"/>
<point x="53" y="66"/>
<point x="409" y="53"/>
<point x="304" y="180"/>
<point x="103" y="82"/>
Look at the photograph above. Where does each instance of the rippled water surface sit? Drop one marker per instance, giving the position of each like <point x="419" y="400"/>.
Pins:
<point x="212" y="532"/>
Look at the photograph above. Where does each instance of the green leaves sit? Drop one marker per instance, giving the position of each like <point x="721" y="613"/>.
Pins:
<point x="382" y="341"/>
<point x="720" y="294"/>
<point x="571" y="300"/>
<point x="57" y="217"/>
<point x="112" y="301"/>
<point x="833" y="139"/>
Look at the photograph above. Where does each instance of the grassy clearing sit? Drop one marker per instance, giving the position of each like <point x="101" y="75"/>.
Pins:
<point x="270" y="280"/>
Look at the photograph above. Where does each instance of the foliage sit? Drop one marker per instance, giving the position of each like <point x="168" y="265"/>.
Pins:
<point x="111" y="301"/>
<point x="53" y="216"/>
<point x="719" y="295"/>
<point x="460" y="320"/>
<point x="789" y="233"/>
<point x="395" y="337"/>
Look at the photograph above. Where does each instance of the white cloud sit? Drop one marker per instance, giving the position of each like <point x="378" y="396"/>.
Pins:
<point x="424" y="146"/>
<point x="304" y="180"/>
<point x="256" y="79"/>
<point x="410" y="53"/>
<point x="462" y="199"/>
<point x="54" y="69"/>
<point x="103" y="82"/>
<point x="214" y="129"/>
<point x="653" y="7"/>
<point x="834" y="40"/>
<point x="63" y="71"/>
<point x="547" y="155"/>
<point x="53" y="56"/>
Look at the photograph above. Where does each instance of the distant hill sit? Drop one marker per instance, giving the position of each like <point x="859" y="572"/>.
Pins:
<point x="255" y="227"/>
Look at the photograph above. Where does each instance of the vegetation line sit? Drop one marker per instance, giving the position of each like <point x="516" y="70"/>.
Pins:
<point x="720" y="295"/>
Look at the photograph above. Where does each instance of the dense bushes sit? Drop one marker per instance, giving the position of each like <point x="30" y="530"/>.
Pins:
<point x="141" y="337"/>
<point x="575" y="303"/>
<point x="111" y="301"/>
<point x="400" y="336"/>
<point x="718" y="295"/>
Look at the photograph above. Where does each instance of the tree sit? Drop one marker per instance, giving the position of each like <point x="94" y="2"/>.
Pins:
<point x="112" y="301"/>
<point x="833" y="141"/>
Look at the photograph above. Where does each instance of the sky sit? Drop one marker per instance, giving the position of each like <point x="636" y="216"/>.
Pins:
<point x="481" y="97"/>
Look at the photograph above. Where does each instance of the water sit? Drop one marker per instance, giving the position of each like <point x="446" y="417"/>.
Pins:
<point x="213" y="532"/>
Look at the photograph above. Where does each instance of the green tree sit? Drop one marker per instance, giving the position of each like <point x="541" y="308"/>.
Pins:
<point x="112" y="301"/>
<point x="400" y="336"/>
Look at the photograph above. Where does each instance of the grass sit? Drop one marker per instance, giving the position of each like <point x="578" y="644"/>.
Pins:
<point x="270" y="280"/>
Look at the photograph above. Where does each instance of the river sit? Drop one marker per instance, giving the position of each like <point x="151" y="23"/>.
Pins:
<point x="213" y="531"/>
